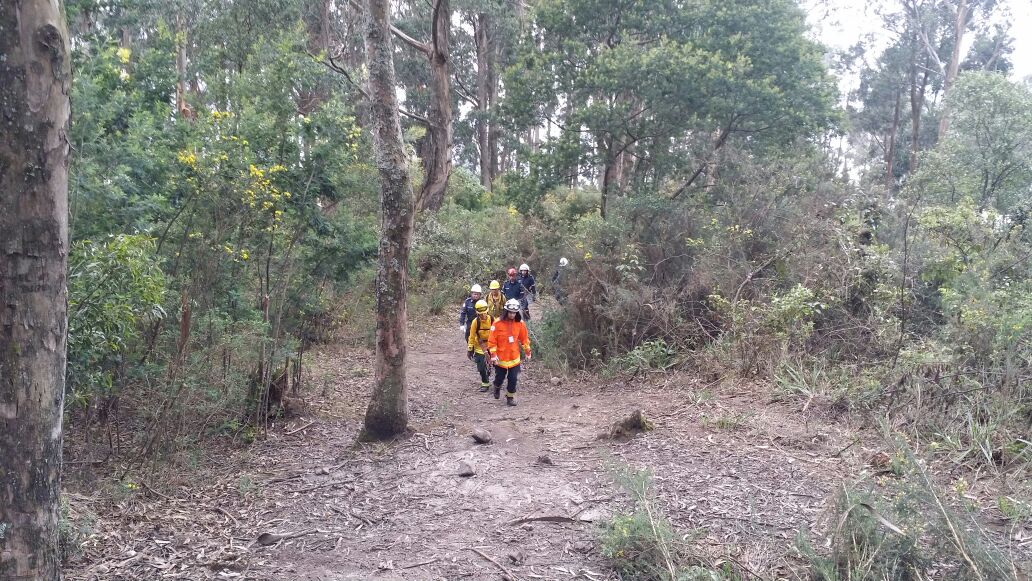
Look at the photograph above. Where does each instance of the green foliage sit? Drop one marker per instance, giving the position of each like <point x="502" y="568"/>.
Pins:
<point x="650" y="356"/>
<point x="114" y="286"/>
<point x="1014" y="509"/>
<point x="465" y="190"/>
<point x="645" y="75"/>
<point x="547" y="335"/>
<point x="121" y="134"/>
<point x="969" y="247"/>
<point x="252" y="186"/>
<point x="461" y="247"/>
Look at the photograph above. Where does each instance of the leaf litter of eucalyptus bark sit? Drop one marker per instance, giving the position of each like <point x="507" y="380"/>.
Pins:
<point x="747" y="486"/>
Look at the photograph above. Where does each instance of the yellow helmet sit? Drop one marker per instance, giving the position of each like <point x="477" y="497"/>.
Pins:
<point x="481" y="306"/>
<point x="495" y="285"/>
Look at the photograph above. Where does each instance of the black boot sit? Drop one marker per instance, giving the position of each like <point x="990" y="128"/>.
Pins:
<point x="497" y="391"/>
<point x="484" y="387"/>
<point x="510" y="401"/>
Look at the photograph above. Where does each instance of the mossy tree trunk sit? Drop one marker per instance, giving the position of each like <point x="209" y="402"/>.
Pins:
<point x="388" y="411"/>
<point x="34" y="112"/>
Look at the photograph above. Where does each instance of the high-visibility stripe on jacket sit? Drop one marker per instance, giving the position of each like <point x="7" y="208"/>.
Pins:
<point x="506" y="338"/>
<point x="479" y="333"/>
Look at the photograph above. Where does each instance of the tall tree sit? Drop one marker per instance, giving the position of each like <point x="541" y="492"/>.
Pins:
<point x="485" y="97"/>
<point x="436" y="146"/>
<point x="388" y="411"/>
<point x="35" y="77"/>
<point x="941" y="26"/>
<point x="664" y="85"/>
<point x="480" y="51"/>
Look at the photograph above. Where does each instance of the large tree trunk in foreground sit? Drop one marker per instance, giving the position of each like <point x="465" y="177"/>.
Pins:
<point x="388" y="411"/>
<point x="34" y="111"/>
<point x="438" y="144"/>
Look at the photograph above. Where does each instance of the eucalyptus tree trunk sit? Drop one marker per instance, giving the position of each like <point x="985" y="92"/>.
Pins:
<point x="438" y="140"/>
<point x="34" y="84"/>
<point x="962" y="17"/>
<point x="388" y="410"/>
<point x="484" y="95"/>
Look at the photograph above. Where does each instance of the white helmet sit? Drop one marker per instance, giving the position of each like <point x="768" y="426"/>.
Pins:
<point x="563" y="261"/>
<point x="475" y="289"/>
<point x="512" y="305"/>
<point x="524" y="267"/>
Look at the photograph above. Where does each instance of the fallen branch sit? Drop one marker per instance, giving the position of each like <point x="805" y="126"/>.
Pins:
<point x="497" y="564"/>
<point x="414" y="565"/>
<point x="304" y="427"/>
<point x="352" y="514"/>
<point x="219" y="509"/>
<point x="549" y="518"/>
<point x="156" y="493"/>
<point x="344" y="483"/>
<point x="266" y="539"/>
<point x="284" y="478"/>
<point x="851" y="444"/>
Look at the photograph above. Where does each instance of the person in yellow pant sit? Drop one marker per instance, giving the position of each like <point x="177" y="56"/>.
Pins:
<point x="479" y="333"/>
<point x="495" y="300"/>
<point x="508" y="335"/>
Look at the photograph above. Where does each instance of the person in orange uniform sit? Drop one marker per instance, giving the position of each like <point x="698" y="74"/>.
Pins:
<point x="508" y="335"/>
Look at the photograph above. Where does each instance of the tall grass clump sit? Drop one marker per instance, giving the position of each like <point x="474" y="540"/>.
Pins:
<point x="904" y="529"/>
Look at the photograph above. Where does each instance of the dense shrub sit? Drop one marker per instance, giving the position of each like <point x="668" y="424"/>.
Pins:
<point x="115" y="287"/>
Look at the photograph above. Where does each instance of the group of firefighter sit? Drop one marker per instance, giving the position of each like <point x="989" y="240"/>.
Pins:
<point x="494" y="329"/>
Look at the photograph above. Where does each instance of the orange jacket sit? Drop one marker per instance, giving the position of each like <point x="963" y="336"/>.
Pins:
<point x="504" y="343"/>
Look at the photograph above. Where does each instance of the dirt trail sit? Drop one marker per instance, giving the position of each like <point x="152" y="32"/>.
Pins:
<point x="742" y="475"/>
<point x="405" y="503"/>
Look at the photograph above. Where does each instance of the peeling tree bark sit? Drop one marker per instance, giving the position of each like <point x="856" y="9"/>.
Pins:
<point x="34" y="112"/>
<point x="484" y="99"/>
<point x="388" y="410"/>
<point x="438" y="144"/>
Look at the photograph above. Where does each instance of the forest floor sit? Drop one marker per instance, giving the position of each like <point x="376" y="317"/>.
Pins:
<point x="740" y="473"/>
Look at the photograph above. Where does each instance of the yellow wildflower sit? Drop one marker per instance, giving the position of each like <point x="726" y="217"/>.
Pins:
<point x="187" y="158"/>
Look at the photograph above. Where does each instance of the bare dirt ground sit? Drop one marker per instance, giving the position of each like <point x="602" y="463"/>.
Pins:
<point x="741" y="473"/>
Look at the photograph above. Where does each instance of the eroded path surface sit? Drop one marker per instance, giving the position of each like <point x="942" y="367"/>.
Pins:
<point x="740" y="474"/>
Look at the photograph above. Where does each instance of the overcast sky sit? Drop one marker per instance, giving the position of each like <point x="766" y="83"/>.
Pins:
<point x="841" y="23"/>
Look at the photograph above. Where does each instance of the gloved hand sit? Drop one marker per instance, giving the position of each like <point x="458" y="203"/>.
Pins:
<point x="528" y="355"/>
<point x="494" y="360"/>
<point x="469" y="355"/>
